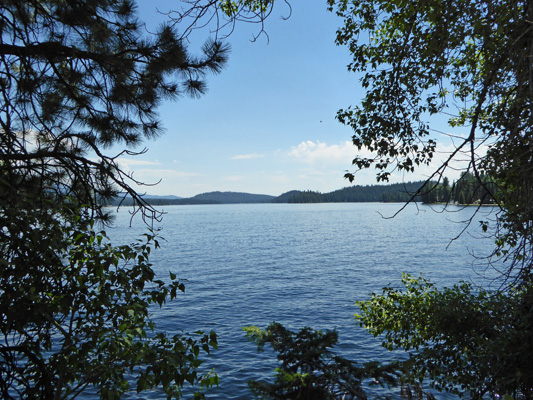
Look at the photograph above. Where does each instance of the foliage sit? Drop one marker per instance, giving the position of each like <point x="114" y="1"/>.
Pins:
<point x="77" y="79"/>
<point x="310" y="370"/>
<point x="466" y="60"/>
<point x="223" y="15"/>
<point x="75" y="313"/>
<point x="465" y="339"/>
<point x="231" y="7"/>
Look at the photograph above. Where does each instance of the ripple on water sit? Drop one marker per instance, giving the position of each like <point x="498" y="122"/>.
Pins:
<point x="300" y="265"/>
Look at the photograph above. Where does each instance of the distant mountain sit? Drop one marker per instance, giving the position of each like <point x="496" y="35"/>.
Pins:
<point x="231" y="198"/>
<point x="154" y="196"/>
<point x="204" y="198"/>
<point x="150" y="198"/>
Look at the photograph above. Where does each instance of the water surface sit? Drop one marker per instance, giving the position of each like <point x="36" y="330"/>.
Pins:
<point x="300" y="265"/>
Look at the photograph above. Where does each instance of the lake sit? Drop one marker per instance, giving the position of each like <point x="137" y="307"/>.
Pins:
<point x="300" y="265"/>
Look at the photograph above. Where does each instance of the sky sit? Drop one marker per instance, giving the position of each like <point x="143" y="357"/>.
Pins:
<point x="267" y="123"/>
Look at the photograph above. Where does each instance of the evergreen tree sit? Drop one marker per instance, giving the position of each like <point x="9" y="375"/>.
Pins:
<point x="446" y="190"/>
<point x="77" y="77"/>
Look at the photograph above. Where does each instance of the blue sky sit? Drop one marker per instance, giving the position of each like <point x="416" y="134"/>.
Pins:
<point x="267" y="123"/>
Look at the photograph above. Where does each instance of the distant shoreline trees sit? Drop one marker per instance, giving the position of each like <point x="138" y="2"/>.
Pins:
<point x="465" y="191"/>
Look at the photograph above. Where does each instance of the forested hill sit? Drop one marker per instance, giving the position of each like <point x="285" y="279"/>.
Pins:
<point x="227" y="198"/>
<point x="396" y="192"/>
<point x="204" y="198"/>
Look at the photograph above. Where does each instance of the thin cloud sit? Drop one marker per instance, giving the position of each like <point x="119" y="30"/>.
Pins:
<point x="166" y="173"/>
<point x="247" y="156"/>
<point x="129" y="162"/>
<point x="234" y="178"/>
<point x="311" y="152"/>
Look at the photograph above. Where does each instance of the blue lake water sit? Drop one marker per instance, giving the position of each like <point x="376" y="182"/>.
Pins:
<point x="300" y="265"/>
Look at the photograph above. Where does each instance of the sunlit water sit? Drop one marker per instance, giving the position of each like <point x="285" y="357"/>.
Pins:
<point x="300" y="265"/>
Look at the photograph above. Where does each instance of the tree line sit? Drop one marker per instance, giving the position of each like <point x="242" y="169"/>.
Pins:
<point x="465" y="191"/>
<point x="388" y="193"/>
